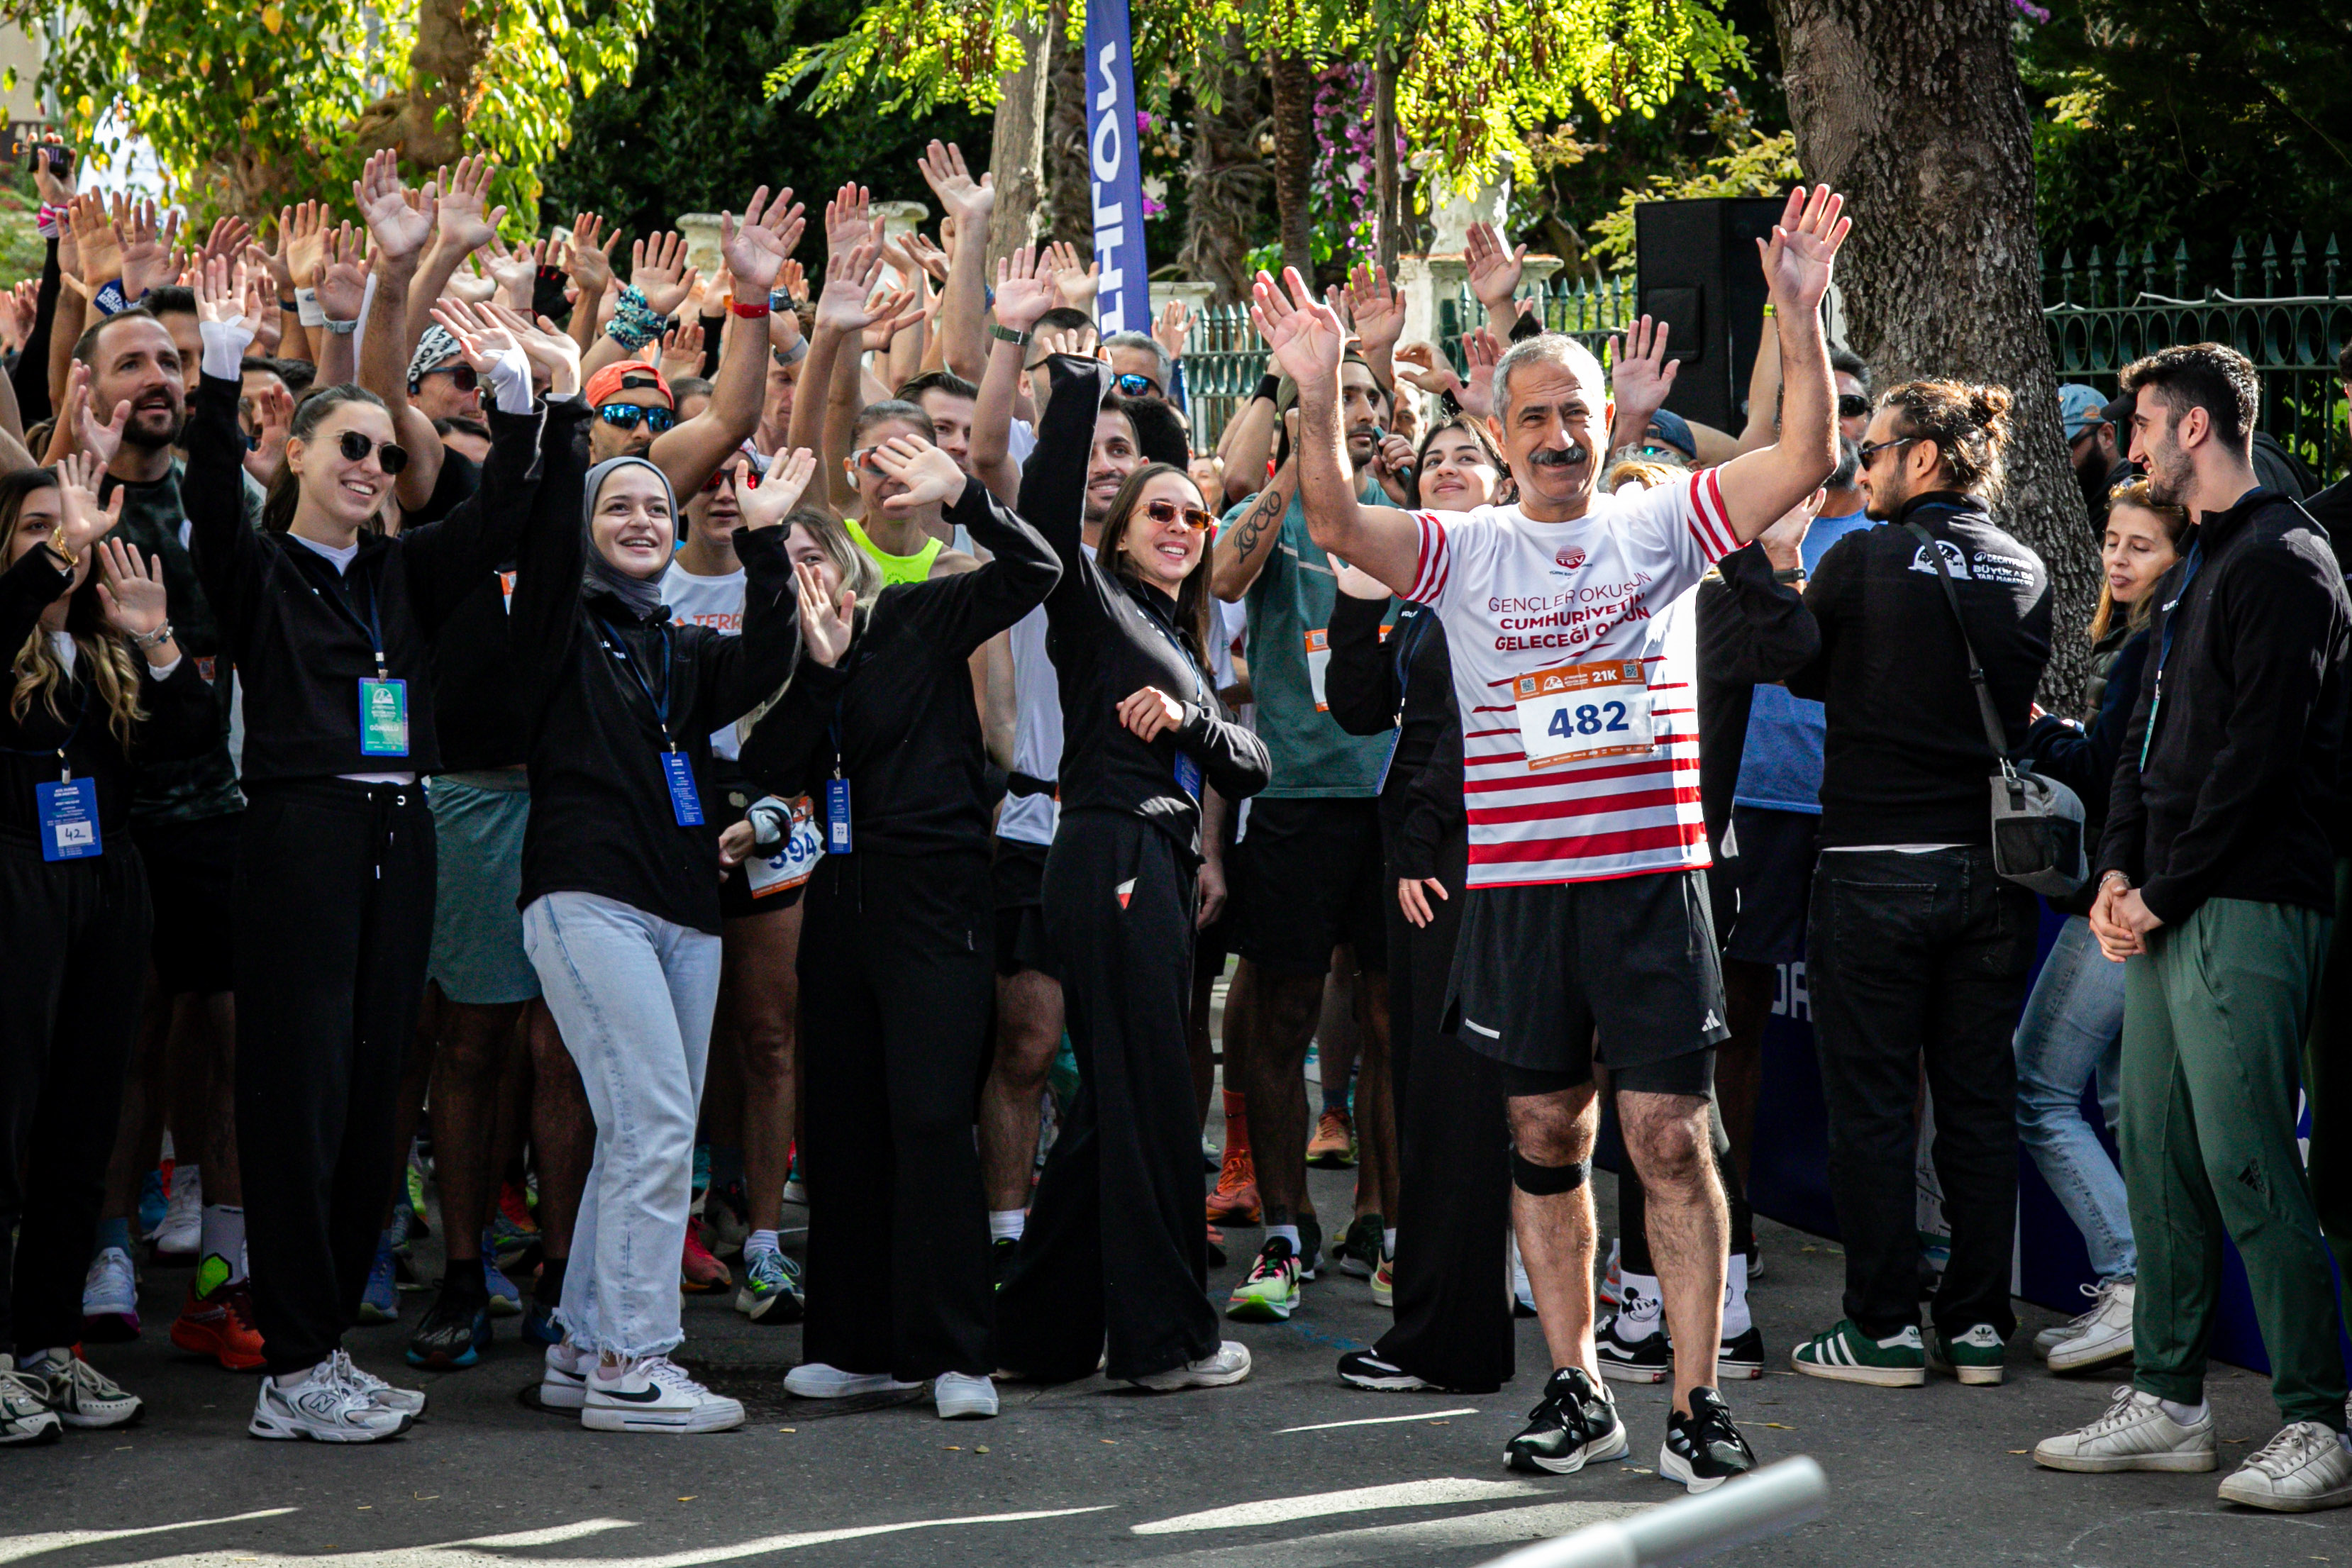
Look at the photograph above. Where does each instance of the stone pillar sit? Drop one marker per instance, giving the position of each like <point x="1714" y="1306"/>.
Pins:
<point x="701" y="232"/>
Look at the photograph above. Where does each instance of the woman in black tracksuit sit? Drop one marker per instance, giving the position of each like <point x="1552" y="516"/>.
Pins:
<point x="1114" y="1240"/>
<point x="331" y="624"/>
<point x="90" y="687"/>
<point x="897" y="970"/>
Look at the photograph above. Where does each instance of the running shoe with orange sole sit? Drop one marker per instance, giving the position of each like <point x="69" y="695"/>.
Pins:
<point x="1333" y="1147"/>
<point x="221" y="1326"/>
<point x="699" y="1271"/>
<point x="1235" y="1201"/>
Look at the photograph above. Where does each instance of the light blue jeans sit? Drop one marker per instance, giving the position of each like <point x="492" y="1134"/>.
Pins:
<point x="2071" y="1028"/>
<point x="634" y="996"/>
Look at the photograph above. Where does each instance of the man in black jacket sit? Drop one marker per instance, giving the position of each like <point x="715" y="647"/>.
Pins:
<point x="1916" y="949"/>
<point x="2216" y="887"/>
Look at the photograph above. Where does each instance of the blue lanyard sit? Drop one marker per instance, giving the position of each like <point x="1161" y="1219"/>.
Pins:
<point x="2164" y="648"/>
<point x="372" y="625"/>
<point x="1192" y="665"/>
<point x="612" y="646"/>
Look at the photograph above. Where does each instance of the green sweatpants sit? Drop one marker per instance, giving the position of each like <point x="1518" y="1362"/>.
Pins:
<point x="2214" y="1017"/>
<point x="2327" y="1081"/>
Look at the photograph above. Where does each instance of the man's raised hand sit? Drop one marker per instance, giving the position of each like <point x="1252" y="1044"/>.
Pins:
<point x="398" y="230"/>
<point x="1804" y="244"/>
<point x="1024" y="290"/>
<point x="1304" y="333"/>
<point x="1493" y="266"/>
<point x="464" y="226"/>
<point x="765" y="500"/>
<point x="967" y="200"/>
<point x="756" y="248"/>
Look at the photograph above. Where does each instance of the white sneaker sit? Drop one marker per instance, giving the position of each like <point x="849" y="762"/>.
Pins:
<point x="1229" y="1363"/>
<point x="961" y="1396"/>
<point x="2103" y="1335"/>
<point x="816" y="1380"/>
<point x="563" y="1385"/>
<point x="24" y="1413"/>
<point x="2133" y="1434"/>
<point x="408" y="1401"/>
<point x="2304" y="1468"/>
<point x="326" y="1407"/>
<point x="110" y="1291"/>
<point x="80" y="1394"/>
<point x="654" y="1393"/>
<point x="182" y="1231"/>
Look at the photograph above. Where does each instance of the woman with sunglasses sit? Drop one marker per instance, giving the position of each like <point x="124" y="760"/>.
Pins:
<point x="896" y="954"/>
<point x="1114" y="1243"/>
<point x="330" y="622"/>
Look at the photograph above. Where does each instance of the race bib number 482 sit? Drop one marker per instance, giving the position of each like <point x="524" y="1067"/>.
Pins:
<point x="1577" y="712"/>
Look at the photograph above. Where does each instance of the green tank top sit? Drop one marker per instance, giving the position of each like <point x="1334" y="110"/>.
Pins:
<point x="916" y="567"/>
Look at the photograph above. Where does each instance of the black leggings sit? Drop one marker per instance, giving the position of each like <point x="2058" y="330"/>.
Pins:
<point x="1454" y="1184"/>
<point x="334" y="917"/>
<point x="75" y="933"/>
<point x="896" y="987"/>
<point x="1115" y="1242"/>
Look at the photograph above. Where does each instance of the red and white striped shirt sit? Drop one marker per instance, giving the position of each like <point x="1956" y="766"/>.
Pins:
<point x="1518" y="596"/>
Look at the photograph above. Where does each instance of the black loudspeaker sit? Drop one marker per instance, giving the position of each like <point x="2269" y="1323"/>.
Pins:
<point x="1697" y="268"/>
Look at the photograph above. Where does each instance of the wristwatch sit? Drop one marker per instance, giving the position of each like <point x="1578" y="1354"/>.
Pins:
<point x="999" y="331"/>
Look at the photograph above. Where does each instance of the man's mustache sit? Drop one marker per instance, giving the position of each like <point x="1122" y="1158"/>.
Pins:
<point x="1560" y="457"/>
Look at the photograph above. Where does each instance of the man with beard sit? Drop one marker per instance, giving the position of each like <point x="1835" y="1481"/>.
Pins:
<point x="184" y="818"/>
<point x="2091" y="448"/>
<point x="2217" y="890"/>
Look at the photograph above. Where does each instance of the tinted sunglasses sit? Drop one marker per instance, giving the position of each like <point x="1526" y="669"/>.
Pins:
<point x="1853" y="406"/>
<point x="1134" y="385"/>
<point x="1164" y="511"/>
<point x="626" y="415"/>
<point x="461" y="376"/>
<point x="864" y="458"/>
<point x="355" y="447"/>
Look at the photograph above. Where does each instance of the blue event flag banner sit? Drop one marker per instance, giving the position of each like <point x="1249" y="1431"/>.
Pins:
<point x="1123" y="295"/>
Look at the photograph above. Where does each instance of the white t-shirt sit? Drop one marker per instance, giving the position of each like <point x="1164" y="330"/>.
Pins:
<point x="1519" y="596"/>
<point x="716" y="603"/>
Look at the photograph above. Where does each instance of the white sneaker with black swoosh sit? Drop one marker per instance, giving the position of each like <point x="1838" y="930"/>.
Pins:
<point x="654" y="1393"/>
<point x="563" y="1380"/>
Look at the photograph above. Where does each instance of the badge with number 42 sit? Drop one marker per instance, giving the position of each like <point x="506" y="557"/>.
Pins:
<point x="1578" y="711"/>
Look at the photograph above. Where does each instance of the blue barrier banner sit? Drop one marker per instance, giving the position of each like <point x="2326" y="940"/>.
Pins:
<point x="1123" y="295"/>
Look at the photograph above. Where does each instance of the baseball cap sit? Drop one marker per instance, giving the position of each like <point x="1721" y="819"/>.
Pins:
<point x="1675" y="432"/>
<point x="626" y="375"/>
<point x="2079" y="406"/>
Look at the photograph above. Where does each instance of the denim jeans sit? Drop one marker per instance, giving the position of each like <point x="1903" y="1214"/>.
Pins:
<point x="2073" y="1028"/>
<point x="633" y="995"/>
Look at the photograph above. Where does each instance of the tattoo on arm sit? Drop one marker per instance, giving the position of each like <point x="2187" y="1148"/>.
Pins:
<point x="1266" y="514"/>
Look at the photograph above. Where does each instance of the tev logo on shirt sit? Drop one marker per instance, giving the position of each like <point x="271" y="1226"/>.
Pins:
<point x="1571" y="557"/>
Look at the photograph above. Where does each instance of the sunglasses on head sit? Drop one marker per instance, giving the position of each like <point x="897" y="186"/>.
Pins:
<point x="626" y="415"/>
<point x="1853" y="406"/>
<point x="1164" y="511"/>
<point x="1134" y="385"/>
<point x="461" y="376"/>
<point x="355" y="447"/>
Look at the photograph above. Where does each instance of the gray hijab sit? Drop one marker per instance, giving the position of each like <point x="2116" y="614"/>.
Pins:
<point x="641" y="594"/>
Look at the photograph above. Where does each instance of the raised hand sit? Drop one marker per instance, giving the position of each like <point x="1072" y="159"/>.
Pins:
<point x="1173" y="326"/>
<point x="1376" y="305"/>
<point x="81" y="521"/>
<point x="272" y="409"/>
<point x="1485" y="352"/>
<point x="342" y="275"/>
<point x="765" y="500"/>
<point x="515" y="272"/>
<point x="657" y="270"/>
<point x="825" y="624"/>
<point x="130" y="590"/>
<point x="230" y="235"/>
<point x="961" y="197"/>
<point x="849" y="278"/>
<point x="894" y="311"/>
<point x="681" y="349"/>
<point x="588" y="257"/>
<point x="470" y="284"/>
<point x="1024" y="290"/>
<point x="551" y="350"/>
<point x="146" y="248"/>
<point x="1303" y="331"/>
<point x="1078" y="342"/>
<point x="55" y="189"/>
<point x="929" y="473"/>
<point x="302" y="243"/>
<point x="463" y="225"/>
<point x="1493" y="266"/>
<point x="1804" y="244"/>
<point x="397" y="231"/>
<point x="227" y="296"/>
<point x="1075" y="277"/>
<point x="482" y="339"/>
<point x="927" y="255"/>
<point x="849" y="218"/>
<point x="756" y="248"/>
<point x="1419" y="363"/>
<point x="97" y="237"/>
<point x="1640" y="374"/>
<point x="1393" y="464"/>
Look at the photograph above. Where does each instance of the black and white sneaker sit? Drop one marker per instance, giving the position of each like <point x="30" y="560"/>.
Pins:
<point x="1704" y="1450"/>
<point x="1740" y="1358"/>
<point x="24" y="1413"/>
<point x="1362" y="1369"/>
<point x="80" y="1394"/>
<point x="1575" y="1424"/>
<point x="1650" y="1359"/>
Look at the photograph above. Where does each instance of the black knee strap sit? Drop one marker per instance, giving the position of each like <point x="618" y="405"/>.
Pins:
<point x="1543" y="1181"/>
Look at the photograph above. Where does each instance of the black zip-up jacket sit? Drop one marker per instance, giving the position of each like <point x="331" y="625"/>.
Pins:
<point x="299" y="630"/>
<point x="1403" y="682"/>
<point x="601" y="817"/>
<point x="179" y="722"/>
<point x="1109" y="637"/>
<point x="2085" y="759"/>
<point x="2244" y="748"/>
<point x="900" y="700"/>
<point x="1905" y="761"/>
<point x="1753" y="630"/>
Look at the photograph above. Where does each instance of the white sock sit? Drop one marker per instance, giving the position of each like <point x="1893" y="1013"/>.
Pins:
<point x="762" y="1242"/>
<point x="1641" y="1312"/>
<point x="1388" y="1241"/>
<point x="1007" y="1224"/>
<point x="223" y="1237"/>
<point x="1288" y="1232"/>
<point x="2184" y="1415"/>
<point x="1736" y="1320"/>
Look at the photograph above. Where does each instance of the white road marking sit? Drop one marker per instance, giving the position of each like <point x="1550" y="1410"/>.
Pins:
<point x="1315" y="1505"/>
<point x="1375" y="1421"/>
<point x="1500" y="1527"/>
<point x="16" y="1548"/>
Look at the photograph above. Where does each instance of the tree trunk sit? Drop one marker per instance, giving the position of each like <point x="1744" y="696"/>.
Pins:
<point x="1017" y="157"/>
<point x="1916" y="114"/>
<point x="1069" y="181"/>
<point x="1294" y="159"/>
<point x="1387" y="184"/>
<point x="427" y="123"/>
<point x="1225" y="179"/>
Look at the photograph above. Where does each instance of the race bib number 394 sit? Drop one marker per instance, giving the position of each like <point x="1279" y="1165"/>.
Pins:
<point x="1578" y="711"/>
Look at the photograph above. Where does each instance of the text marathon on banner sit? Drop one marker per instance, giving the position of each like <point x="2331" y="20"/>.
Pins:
<point x="1123" y="297"/>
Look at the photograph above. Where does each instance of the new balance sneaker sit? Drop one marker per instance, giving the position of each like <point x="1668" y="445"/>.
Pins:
<point x="563" y="1376"/>
<point x="1574" y="1424"/>
<point x="25" y="1417"/>
<point x="380" y="1303"/>
<point x="153" y="1205"/>
<point x="1741" y="1357"/>
<point x="1235" y="1201"/>
<point x="2303" y="1470"/>
<point x="1384" y="1283"/>
<point x="1645" y="1357"/>
<point x="1228" y="1364"/>
<point x="1359" y="1249"/>
<point x="80" y="1394"/>
<point x="109" y="1298"/>
<point x="1270" y="1294"/>
<point x="816" y="1380"/>
<point x="220" y="1325"/>
<point x="963" y="1396"/>
<point x="1974" y="1356"/>
<point x="505" y="1298"/>
<point x="1362" y="1369"/>
<point x="324" y="1407"/>
<point x="1333" y="1147"/>
<point x="454" y="1333"/>
<point x="181" y="1236"/>
<point x="2102" y="1336"/>
<point x="1845" y="1354"/>
<point x="771" y="1291"/>
<point x="699" y="1271"/>
<point x="2133" y="1434"/>
<point x="1704" y="1450"/>
<point x="408" y="1401"/>
<point x="654" y="1393"/>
